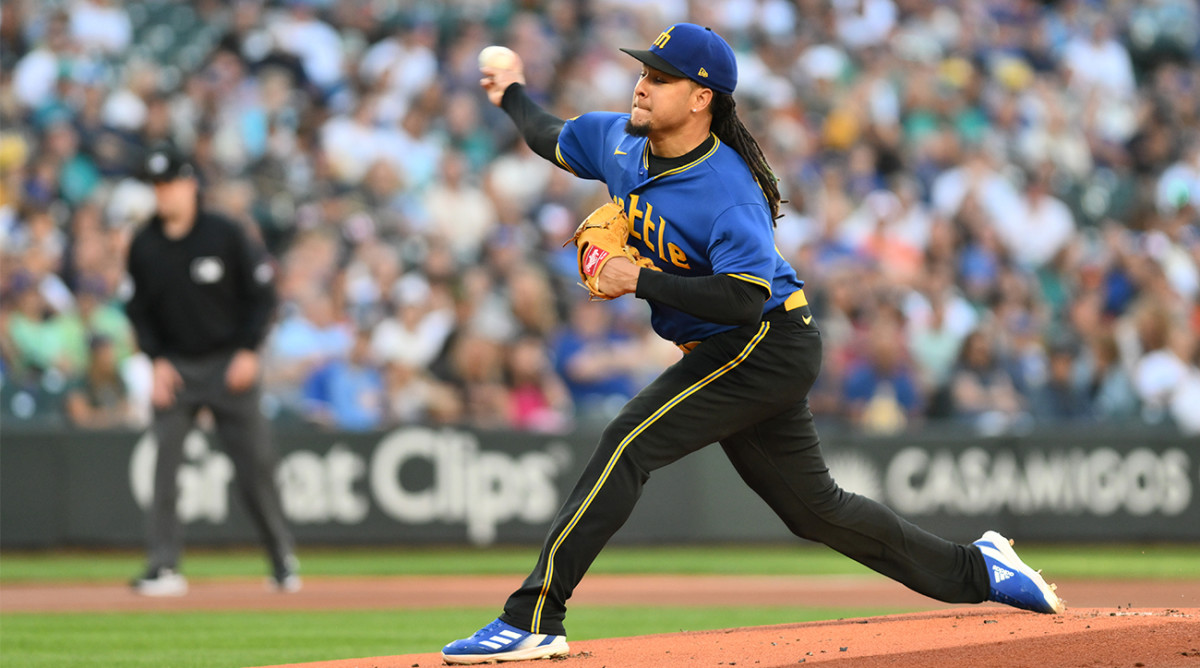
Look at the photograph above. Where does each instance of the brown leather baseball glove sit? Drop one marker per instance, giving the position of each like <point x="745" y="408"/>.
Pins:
<point x="603" y="235"/>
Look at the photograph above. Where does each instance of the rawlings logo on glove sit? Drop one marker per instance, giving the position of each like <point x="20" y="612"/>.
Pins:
<point x="592" y="260"/>
<point x="603" y="235"/>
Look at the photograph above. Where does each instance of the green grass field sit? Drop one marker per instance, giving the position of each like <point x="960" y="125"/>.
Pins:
<point x="1163" y="561"/>
<point x="228" y="639"/>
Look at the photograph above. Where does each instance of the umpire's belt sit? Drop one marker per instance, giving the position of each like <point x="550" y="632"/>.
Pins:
<point x="795" y="307"/>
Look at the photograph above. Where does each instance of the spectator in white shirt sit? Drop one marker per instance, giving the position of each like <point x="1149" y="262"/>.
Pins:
<point x="353" y="143"/>
<point x="1163" y="371"/>
<point x="1179" y="185"/>
<point x="401" y="67"/>
<point x="101" y="25"/>
<point x="418" y="328"/>
<point x="1045" y="227"/>
<point x="35" y="76"/>
<point x="459" y="211"/>
<point x="863" y="23"/>
<point x="315" y="42"/>
<point x="977" y="175"/>
<point x="1099" y="62"/>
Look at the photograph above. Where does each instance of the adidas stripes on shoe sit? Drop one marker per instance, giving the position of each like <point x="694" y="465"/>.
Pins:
<point x="499" y="641"/>
<point x="1012" y="582"/>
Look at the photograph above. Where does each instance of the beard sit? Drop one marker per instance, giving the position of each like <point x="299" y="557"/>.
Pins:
<point x="637" y="130"/>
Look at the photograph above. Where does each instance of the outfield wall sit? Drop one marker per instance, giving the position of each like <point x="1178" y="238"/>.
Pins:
<point x="445" y="485"/>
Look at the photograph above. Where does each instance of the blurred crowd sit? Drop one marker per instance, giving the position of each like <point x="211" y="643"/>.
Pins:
<point x="995" y="203"/>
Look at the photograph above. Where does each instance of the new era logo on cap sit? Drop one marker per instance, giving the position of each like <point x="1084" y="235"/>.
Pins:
<point x="693" y="52"/>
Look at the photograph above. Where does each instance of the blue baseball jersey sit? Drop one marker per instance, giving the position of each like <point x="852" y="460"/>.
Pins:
<point x="703" y="218"/>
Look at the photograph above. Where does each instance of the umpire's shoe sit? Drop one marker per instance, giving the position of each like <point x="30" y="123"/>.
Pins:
<point x="284" y="578"/>
<point x="1012" y="582"/>
<point x="499" y="641"/>
<point x="160" y="582"/>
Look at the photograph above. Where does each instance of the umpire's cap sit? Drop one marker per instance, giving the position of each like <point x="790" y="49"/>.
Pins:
<point x="693" y="52"/>
<point x="165" y="162"/>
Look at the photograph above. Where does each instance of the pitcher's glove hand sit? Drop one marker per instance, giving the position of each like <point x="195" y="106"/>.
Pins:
<point x="602" y="236"/>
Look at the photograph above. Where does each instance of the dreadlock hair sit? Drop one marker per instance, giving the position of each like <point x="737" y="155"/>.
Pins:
<point x="729" y="129"/>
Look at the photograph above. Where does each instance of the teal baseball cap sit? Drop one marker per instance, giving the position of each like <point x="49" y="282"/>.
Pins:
<point x="693" y="52"/>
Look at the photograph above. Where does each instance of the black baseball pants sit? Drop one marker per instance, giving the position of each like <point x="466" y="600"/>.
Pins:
<point x="747" y="389"/>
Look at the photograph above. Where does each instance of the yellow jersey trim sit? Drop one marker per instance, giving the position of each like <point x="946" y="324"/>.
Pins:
<point x="562" y="161"/>
<point x="755" y="280"/>
<point x="681" y="168"/>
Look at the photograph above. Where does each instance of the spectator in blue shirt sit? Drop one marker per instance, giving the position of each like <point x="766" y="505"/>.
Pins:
<point x="348" y="394"/>
<point x="596" y="361"/>
<point x="880" y="390"/>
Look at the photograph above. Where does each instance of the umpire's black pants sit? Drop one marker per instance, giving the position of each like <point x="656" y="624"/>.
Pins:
<point x="243" y="432"/>
<point x="747" y="389"/>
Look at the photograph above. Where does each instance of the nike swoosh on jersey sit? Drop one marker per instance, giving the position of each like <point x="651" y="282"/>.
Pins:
<point x="807" y="319"/>
<point x="619" y="152"/>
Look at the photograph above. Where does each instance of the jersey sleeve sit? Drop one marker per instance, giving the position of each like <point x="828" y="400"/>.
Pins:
<point x="138" y="308"/>
<point x="256" y="276"/>
<point x="742" y="245"/>
<point x="586" y="141"/>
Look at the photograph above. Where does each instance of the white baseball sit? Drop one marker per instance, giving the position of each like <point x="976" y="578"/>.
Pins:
<point x="499" y="57"/>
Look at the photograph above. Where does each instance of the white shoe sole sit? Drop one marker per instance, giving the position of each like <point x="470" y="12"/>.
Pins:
<point x="289" y="585"/>
<point x="1009" y="557"/>
<point x="557" y="648"/>
<point x="170" y="588"/>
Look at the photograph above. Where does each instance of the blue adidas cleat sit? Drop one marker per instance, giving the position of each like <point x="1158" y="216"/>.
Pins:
<point x="1012" y="582"/>
<point x="498" y="642"/>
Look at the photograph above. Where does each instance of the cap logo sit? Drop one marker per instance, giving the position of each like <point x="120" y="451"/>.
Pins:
<point x="695" y="53"/>
<point x="158" y="163"/>
<point x="663" y="38"/>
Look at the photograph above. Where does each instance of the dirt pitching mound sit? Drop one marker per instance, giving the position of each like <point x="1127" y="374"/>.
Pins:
<point x="979" y="637"/>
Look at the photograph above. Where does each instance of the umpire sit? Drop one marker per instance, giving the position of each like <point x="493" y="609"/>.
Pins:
<point x="202" y="302"/>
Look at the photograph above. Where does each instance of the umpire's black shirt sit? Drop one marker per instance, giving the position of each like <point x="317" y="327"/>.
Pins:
<point x="210" y="291"/>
